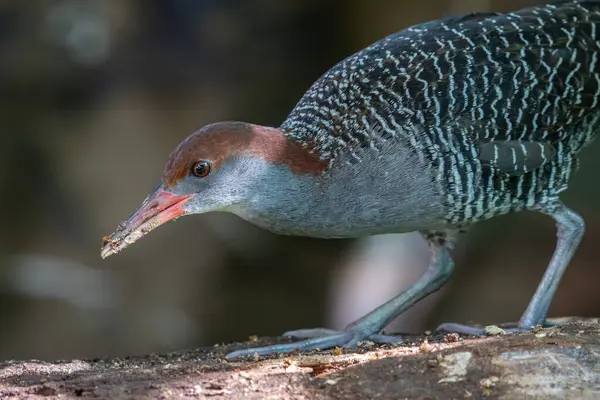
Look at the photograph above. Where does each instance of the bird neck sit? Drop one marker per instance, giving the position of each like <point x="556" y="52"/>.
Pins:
<point x="387" y="192"/>
<point x="278" y="199"/>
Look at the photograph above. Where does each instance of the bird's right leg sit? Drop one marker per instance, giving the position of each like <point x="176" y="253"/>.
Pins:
<point x="440" y="244"/>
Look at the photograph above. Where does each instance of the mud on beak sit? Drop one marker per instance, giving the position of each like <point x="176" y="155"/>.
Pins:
<point x="159" y="207"/>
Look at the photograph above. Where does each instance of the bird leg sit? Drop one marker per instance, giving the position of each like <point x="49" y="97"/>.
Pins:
<point x="368" y="326"/>
<point x="570" y="228"/>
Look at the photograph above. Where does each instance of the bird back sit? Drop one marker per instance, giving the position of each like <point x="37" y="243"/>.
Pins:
<point x="498" y="105"/>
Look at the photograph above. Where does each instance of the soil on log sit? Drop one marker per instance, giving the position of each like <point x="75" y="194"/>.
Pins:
<point x="552" y="363"/>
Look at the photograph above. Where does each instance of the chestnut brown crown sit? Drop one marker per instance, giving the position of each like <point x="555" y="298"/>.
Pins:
<point x="218" y="142"/>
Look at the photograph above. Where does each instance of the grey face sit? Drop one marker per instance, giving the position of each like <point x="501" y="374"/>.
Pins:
<point x="235" y="183"/>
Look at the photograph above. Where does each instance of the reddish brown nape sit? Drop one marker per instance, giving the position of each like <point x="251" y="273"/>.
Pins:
<point x="217" y="142"/>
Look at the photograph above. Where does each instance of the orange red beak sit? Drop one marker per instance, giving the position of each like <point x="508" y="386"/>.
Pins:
<point x="159" y="207"/>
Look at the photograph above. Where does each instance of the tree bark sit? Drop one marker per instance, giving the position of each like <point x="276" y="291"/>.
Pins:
<point x="553" y="363"/>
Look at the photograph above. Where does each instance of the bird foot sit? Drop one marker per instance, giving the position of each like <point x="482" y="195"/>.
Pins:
<point x="318" y="338"/>
<point x="477" y="330"/>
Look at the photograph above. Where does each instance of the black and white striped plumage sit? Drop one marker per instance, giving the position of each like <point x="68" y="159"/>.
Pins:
<point x="499" y="104"/>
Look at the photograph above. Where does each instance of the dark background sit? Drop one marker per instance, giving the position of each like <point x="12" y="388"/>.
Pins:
<point x="95" y="94"/>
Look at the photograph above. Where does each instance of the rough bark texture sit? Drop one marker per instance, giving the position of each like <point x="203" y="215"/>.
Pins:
<point x="553" y="363"/>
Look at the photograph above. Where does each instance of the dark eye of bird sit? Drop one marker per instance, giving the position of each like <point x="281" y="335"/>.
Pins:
<point x="201" y="169"/>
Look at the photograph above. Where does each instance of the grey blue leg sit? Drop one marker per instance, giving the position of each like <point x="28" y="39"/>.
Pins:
<point x="570" y="229"/>
<point x="369" y="326"/>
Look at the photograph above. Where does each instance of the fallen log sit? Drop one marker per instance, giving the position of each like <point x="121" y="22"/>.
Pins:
<point x="553" y="363"/>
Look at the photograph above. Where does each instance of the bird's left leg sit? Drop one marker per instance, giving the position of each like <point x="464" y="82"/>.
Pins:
<point x="369" y="326"/>
<point x="570" y="228"/>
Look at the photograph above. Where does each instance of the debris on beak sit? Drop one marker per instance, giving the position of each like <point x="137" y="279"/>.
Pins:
<point x="159" y="207"/>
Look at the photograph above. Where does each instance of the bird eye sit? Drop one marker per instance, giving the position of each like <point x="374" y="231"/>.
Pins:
<point x="201" y="169"/>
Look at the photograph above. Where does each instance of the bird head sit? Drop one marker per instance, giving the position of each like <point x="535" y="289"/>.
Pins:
<point x="217" y="168"/>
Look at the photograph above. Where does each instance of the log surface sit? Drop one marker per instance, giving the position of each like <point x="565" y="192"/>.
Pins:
<point x="553" y="363"/>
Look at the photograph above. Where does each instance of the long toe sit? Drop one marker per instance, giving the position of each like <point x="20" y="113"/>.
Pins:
<point x="475" y="330"/>
<point x="385" y="339"/>
<point x="310" y="333"/>
<point x="319" y="338"/>
<point x="325" y="342"/>
<point x="322" y="332"/>
<point x="461" y="328"/>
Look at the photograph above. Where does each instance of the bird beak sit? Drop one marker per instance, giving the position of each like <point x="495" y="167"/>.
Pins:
<point x="159" y="207"/>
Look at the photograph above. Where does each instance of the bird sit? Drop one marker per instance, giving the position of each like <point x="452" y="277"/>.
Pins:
<point x="431" y="129"/>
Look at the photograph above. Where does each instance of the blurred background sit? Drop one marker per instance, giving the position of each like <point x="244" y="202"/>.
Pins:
<point x="95" y="94"/>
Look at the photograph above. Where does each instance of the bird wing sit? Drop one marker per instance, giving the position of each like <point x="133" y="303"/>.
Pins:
<point x="529" y="86"/>
<point x="515" y="157"/>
